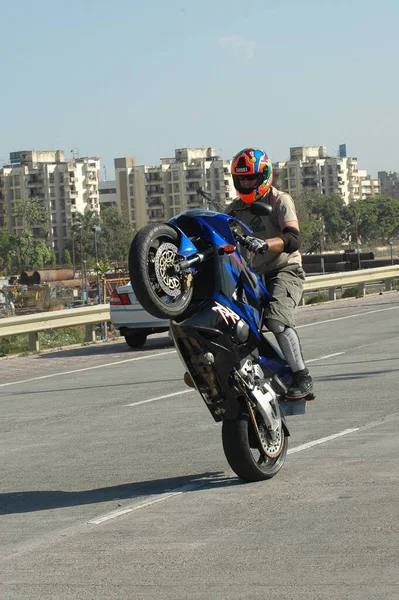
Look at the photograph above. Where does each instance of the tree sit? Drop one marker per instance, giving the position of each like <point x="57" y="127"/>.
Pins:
<point x="321" y="219"/>
<point x="33" y="217"/>
<point x="53" y="259"/>
<point x="7" y="250"/>
<point x="81" y="242"/>
<point x="116" y="235"/>
<point x="387" y="218"/>
<point x="67" y="258"/>
<point x="40" y="255"/>
<point x="329" y="210"/>
<point x="32" y="213"/>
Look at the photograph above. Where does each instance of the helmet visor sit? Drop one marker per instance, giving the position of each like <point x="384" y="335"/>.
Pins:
<point x="250" y="182"/>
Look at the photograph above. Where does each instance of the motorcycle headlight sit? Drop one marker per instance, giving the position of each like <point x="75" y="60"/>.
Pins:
<point x="241" y="331"/>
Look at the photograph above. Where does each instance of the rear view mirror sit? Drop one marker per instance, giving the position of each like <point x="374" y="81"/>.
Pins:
<point x="260" y="209"/>
<point x="257" y="208"/>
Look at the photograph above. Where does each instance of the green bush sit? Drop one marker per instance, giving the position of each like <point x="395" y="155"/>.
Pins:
<point x="52" y="338"/>
<point x="16" y="344"/>
<point x="316" y="299"/>
<point x="57" y="338"/>
<point x="351" y="292"/>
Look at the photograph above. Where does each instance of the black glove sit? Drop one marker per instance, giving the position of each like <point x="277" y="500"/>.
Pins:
<point x="256" y="245"/>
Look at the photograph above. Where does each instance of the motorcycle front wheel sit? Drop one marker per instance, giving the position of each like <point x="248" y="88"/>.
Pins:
<point x="152" y="256"/>
<point x="249" y="458"/>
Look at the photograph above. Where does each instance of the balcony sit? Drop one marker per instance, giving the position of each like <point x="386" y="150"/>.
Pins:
<point x="193" y="175"/>
<point x="153" y="177"/>
<point x="155" y="189"/>
<point x="312" y="183"/>
<point x="155" y="202"/>
<point x="34" y="182"/>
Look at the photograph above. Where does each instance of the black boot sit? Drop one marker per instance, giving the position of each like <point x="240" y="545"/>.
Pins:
<point x="301" y="386"/>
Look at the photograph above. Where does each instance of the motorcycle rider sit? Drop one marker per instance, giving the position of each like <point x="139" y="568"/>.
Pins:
<point x="281" y="265"/>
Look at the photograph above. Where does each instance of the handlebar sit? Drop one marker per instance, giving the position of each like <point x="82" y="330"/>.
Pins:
<point x="241" y="239"/>
<point x="183" y="265"/>
<point x="200" y="257"/>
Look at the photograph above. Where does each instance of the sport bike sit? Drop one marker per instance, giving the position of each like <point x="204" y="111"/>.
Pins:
<point x="191" y="271"/>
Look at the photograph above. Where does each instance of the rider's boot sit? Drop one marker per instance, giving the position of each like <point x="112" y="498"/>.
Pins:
<point x="288" y="340"/>
<point x="301" y="386"/>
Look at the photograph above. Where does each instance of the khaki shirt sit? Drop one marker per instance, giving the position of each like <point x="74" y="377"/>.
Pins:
<point x="266" y="227"/>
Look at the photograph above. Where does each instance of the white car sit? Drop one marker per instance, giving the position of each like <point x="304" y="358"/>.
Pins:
<point x="133" y="322"/>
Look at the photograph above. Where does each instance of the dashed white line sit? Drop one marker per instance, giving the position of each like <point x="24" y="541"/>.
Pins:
<point x="111" y="364"/>
<point x="325" y="356"/>
<point x="321" y="440"/>
<point x="192" y="390"/>
<point x="362" y="314"/>
<point x="160" y="397"/>
<point x="143" y="504"/>
<point x="177" y="491"/>
<point x="60" y="374"/>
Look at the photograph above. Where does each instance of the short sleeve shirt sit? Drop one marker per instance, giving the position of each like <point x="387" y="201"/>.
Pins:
<point x="266" y="227"/>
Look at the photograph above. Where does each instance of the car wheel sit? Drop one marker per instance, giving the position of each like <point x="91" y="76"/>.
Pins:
<point x="136" y="340"/>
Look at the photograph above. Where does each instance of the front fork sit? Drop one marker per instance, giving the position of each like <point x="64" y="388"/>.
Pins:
<point x="264" y="399"/>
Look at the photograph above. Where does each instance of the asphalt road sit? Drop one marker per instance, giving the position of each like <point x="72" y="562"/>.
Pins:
<point x="113" y="483"/>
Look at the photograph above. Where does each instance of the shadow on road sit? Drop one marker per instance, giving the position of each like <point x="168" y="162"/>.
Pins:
<point x="93" y="387"/>
<point x="353" y="362"/>
<point x="33" y="501"/>
<point x="107" y="348"/>
<point x="349" y="376"/>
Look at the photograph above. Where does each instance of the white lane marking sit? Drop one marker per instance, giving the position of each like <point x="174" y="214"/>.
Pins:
<point x="370" y="312"/>
<point x="322" y="440"/>
<point x="177" y="491"/>
<point x="111" y="364"/>
<point x="325" y="356"/>
<point x="188" y="391"/>
<point x="160" y="397"/>
<point x="158" y="498"/>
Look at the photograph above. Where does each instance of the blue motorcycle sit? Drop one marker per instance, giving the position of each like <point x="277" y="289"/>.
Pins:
<point x="191" y="271"/>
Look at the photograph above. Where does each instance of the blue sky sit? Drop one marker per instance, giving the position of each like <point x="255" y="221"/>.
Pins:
<point x="133" y="78"/>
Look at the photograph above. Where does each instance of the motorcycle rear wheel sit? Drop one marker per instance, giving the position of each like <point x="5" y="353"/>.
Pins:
<point x="248" y="462"/>
<point x="157" y="287"/>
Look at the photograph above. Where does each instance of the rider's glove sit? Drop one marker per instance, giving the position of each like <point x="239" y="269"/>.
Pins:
<point x="256" y="245"/>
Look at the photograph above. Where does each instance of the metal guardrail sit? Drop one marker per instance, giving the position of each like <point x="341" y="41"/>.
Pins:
<point x="90" y="316"/>
<point x="334" y="281"/>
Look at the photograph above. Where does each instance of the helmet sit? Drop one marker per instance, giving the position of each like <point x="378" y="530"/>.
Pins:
<point x="255" y="165"/>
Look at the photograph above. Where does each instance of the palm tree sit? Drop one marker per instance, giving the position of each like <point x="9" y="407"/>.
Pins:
<point x="82" y="229"/>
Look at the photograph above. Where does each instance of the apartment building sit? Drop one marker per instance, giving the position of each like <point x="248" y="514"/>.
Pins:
<point x="64" y="187"/>
<point x="368" y="187"/>
<point x="107" y="193"/>
<point x="389" y="183"/>
<point x="311" y="168"/>
<point x="3" y="205"/>
<point x="156" y="194"/>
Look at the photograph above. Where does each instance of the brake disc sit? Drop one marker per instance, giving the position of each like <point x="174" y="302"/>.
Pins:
<point x="164" y="260"/>
<point x="270" y="448"/>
